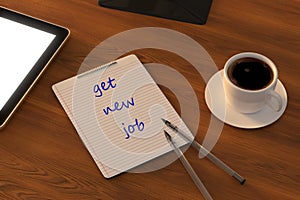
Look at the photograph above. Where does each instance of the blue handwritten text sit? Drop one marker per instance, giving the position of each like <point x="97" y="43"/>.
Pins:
<point x="131" y="128"/>
<point x="119" y="106"/>
<point x="103" y="86"/>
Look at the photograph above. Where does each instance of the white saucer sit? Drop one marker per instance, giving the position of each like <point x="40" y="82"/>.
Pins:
<point x="215" y="100"/>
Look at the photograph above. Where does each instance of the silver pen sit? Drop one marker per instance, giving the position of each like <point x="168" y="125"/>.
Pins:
<point x="205" y="152"/>
<point x="188" y="168"/>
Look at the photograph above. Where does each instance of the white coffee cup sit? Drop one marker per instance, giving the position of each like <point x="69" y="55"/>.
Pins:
<point x="245" y="100"/>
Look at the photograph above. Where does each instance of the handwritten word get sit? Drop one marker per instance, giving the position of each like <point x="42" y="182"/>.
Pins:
<point x="104" y="86"/>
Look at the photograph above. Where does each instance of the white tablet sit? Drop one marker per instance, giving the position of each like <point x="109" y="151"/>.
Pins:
<point x="27" y="45"/>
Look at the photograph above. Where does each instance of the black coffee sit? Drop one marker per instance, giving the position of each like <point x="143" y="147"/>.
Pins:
<point x="250" y="73"/>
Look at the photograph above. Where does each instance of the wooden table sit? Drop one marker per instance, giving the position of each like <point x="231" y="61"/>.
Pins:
<point x="42" y="156"/>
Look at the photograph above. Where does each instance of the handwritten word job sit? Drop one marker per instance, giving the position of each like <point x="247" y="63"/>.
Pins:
<point x="131" y="128"/>
<point x="118" y="106"/>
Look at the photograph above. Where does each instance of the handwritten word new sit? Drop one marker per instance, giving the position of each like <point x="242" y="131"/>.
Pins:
<point x="131" y="128"/>
<point x="103" y="86"/>
<point x="119" y="106"/>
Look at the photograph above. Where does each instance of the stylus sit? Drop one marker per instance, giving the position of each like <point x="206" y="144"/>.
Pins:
<point x="206" y="153"/>
<point x="188" y="168"/>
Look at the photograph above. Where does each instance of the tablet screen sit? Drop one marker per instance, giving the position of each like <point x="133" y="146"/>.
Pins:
<point x="27" y="46"/>
<point x="21" y="47"/>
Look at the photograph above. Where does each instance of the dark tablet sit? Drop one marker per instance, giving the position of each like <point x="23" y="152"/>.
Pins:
<point x="27" y="45"/>
<point x="192" y="11"/>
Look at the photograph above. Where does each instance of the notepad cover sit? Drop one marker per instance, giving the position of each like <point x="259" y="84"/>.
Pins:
<point x="119" y="123"/>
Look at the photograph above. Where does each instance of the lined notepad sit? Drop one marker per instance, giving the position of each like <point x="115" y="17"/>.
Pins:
<point x="117" y="110"/>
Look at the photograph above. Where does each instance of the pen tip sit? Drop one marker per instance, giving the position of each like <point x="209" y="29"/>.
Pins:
<point x="163" y="120"/>
<point x="168" y="136"/>
<point x="239" y="178"/>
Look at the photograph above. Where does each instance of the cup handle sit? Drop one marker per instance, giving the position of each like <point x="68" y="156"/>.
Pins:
<point x="277" y="104"/>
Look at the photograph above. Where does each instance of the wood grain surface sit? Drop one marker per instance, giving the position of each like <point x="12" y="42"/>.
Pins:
<point x="42" y="156"/>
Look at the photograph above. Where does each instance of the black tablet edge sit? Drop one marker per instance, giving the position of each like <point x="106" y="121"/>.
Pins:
<point x="201" y="20"/>
<point x="9" y="109"/>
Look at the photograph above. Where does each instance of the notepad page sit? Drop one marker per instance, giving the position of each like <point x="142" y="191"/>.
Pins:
<point x="117" y="110"/>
